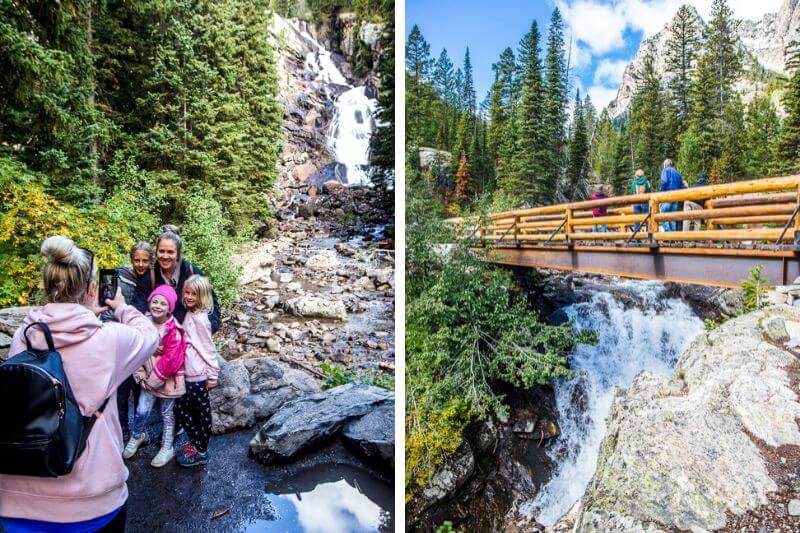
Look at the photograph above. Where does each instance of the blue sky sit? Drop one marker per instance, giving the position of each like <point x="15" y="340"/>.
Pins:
<point x="605" y="33"/>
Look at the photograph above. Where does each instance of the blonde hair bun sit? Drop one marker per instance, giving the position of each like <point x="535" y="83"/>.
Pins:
<point x="170" y="228"/>
<point x="61" y="250"/>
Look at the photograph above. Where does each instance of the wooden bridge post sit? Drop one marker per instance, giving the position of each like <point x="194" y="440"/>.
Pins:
<point x="797" y="218"/>
<point x="516" y="229"/>
<point x="652" y="223"/>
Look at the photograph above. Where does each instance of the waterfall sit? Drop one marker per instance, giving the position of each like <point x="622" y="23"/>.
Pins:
<point x="351" y="130"/>
<point x="650" y="336"/>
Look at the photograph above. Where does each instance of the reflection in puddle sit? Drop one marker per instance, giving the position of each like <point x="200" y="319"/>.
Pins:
<point x="338" y="499"/>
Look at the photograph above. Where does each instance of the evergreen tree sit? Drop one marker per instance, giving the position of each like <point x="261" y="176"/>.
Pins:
<point x="647" y="128"/>
<point x="555" y="101"/>
<point x="721" y="52"/>
<point x="603" y="154"/>
<point x="442" y="81"/>
<point x="526" y="179"/>
<point x="469" y="98"/>
<point x="623" y="163"/>
<point x="683" y="48"/>
<point x="762" y="133"/>
<point x="458" y="85"/>
<point x="382" y="141"/>
<point x="418" y="63"/>
<point x="790" y="133"/>
<point x="463" y="179"/>
<point x="576" y="184"/>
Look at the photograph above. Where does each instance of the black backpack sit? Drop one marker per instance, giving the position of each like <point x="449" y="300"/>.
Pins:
<point x="42" y="431"/>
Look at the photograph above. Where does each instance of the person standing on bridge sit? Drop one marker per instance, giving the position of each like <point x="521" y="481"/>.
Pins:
<point x="671" y="180"/>
<point x="640" y="185"/>
<point x="600" y="211"/>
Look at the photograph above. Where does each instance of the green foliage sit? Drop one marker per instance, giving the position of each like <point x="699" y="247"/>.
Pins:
<point x="208" y="244"/>
<point x="587" y="336"/>
<point x="336" y="375"/>
<point x="577" y="171"/>
<point x="465" y="332"/>
<point x="754" y="287"/>
<point x="446" y="527"/>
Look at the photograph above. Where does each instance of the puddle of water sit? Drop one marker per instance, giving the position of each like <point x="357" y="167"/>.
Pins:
<point x="329" y="499"/>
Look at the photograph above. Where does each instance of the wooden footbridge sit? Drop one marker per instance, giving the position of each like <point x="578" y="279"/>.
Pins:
<point x="724" y="232"/>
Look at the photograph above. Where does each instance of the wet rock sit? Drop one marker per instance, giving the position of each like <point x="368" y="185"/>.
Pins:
<point x="313" y="306"/>
<point x="444" y="483"/>
<point x="253" y="389"/>
<point x="345" y="250"/>
<point x="307" y="209"/>
<point x="311" y="420"/>
<point x="273" y="345"/>
<point x="302" y="172"/>
<point x="660" y="446"/>
<point x="372" y="437"/>
<point x="323" y="262"/>
<point x="332" y="187"/>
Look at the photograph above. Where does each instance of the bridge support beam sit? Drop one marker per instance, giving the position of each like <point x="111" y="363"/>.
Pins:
<point x="703" y="266"/>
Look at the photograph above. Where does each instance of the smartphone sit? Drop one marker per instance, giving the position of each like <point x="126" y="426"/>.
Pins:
<point x="108" y="285"/>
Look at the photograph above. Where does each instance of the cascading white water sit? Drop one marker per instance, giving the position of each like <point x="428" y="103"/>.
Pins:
<point x="648" y="337"/>
<point x="351" y="130"/>
<point x="354" y="112"/>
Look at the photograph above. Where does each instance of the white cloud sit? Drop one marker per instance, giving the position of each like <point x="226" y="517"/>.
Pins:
<point x="580" y="57"/>
<point x="601" y="96"/>
<point x="601" y="25"/>
<point x="609" y="72"/>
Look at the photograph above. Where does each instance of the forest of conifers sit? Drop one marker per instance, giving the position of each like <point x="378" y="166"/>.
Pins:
<point x="521" y="146"/>
<point x="116" y="117"/>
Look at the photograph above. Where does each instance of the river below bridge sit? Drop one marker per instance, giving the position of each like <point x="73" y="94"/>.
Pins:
<point x="638" y="328"/>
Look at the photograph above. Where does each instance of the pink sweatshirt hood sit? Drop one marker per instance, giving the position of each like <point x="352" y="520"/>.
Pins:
<point x="69" y="324"/>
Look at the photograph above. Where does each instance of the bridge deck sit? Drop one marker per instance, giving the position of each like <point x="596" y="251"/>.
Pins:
<point x="732" y="228"/>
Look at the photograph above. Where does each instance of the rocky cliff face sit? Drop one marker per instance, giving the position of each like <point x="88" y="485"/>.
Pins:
<point x="762" y="43"/>
<point x="715" y="446"/>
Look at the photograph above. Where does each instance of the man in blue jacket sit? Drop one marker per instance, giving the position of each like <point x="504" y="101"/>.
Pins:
<point x="671" y="180"/>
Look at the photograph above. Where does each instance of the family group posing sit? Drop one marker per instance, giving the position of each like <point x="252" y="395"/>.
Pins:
<point x="151" y="344"/>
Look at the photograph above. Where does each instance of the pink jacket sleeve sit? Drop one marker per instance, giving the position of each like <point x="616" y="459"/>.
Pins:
<point x="204" y="344"/>
<point x="174" y="349"/>
<point x="136" y="340"/>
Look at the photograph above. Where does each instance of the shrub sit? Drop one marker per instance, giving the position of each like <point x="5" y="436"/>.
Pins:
<point x="755" y="287"/>
<point x="208" y="244"/>
<point x="336" y="375"/>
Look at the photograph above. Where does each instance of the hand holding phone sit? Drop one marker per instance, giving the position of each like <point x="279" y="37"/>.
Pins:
<point x="109" y="283"/>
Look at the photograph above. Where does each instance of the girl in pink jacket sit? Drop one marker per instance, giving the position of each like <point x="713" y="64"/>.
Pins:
<point x="201" y="371"/>
<point x="161" y="378"/>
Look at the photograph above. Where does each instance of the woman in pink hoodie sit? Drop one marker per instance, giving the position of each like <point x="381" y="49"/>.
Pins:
<point x="97" y="358"/>
<point x="201" y="371"/>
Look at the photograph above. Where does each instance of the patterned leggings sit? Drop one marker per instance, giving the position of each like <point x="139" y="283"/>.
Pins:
<point x="194" y="414"/>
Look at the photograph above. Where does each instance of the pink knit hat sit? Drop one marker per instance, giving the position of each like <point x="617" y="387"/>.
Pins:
<point x="168" y="293"/>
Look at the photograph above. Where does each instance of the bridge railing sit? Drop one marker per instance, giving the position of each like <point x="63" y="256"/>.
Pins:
<point x="757" y="210"/>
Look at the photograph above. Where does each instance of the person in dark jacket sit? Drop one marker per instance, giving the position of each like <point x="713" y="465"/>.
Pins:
<point x="671" y="180"/>
<point x="600" y="211"/>
<point x="136" y="283"/>
<point x="175" y="270"/>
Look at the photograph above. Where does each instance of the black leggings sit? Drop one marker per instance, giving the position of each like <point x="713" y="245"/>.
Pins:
<point x="193" y="411"/>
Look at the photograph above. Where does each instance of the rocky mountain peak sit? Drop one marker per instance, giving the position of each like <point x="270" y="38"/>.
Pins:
<point x="763" y="43"/>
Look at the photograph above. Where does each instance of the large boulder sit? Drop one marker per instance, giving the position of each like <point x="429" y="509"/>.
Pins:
<point x="324" y="261"/>
<point x="704" y="447"/>
<point x="10" y="320"/>
<point x="314" y="419"/>
<point x="251" y="390"/>
<point x="256" y="264"/>
<point x="444" y="483"/>
<point x="313" y="306"/>
<point x="431" y="157"/>
<point x="371" y="437"/>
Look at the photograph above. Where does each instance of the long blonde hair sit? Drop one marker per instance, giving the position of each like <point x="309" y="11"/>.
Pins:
<point x="68" y="270"/>
<point x="201" y="287"/>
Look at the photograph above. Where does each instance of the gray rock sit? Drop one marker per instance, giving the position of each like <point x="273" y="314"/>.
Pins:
<point x="273" y="345"/>
<point x="250" y="390"/>
<point x="311" y="420"/>
<point x="794" y="507"/>
<point x="775" y="329"/>
<point x="444" y="483"/>
<point x="312" y="306"/>
<point x="323" y="262"/>
<point x="685" y="459"/>
<point x="10" y="320"/>
<point x="256" y="265"/>
<point x="372" y="437"/>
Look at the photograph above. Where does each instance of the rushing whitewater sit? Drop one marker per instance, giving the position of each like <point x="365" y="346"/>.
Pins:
<point x="351" y="130"/>
<point x="649" y="337"/>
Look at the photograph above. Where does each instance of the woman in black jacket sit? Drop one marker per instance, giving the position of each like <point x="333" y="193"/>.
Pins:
<point x="175" y="270"/>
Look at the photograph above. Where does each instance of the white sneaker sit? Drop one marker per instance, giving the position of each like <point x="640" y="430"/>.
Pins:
<point x="163" y="457"/>
<point x="133" y="445"/>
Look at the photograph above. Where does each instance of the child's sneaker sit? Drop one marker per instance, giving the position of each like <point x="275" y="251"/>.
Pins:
<point x="191" y="457"/>
<point x="163" y="457"/>
<point x="133" y="445"/>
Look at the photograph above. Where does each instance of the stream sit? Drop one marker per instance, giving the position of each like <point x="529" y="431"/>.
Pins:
<point x="637" y="329"/>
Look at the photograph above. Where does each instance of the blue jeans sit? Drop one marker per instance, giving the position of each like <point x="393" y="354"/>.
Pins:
<point x="640" y="209"/>
<point x="600" y="227"/>
<point x="670" y="207"/>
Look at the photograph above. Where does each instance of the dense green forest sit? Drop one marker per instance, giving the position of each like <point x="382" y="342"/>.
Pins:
<point x="116" y="117"/>
<point x="520" y="147"/>
<point x="535" y="140"/>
